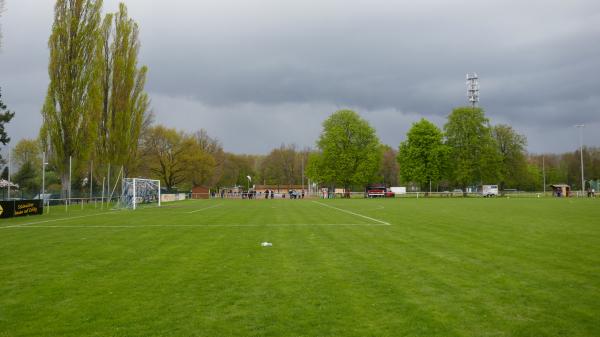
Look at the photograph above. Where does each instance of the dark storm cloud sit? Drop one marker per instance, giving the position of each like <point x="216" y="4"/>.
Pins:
<point x="276" y="69"/>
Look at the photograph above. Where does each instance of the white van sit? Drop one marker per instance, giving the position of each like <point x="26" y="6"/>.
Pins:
<point x="489" y="191"/>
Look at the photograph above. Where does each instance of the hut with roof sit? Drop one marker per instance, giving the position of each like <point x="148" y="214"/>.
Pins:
<point x="561" y="190"/>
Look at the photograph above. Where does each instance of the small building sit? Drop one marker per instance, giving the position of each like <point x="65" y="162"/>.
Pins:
<point x="561" y="190"/>
<point x="200" y="192"/>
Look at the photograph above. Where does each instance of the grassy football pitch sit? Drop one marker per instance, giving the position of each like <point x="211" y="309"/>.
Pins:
<point x="394" y="267"/>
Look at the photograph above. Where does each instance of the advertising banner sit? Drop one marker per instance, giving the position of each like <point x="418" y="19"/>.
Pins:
<point x="13" y="208"/>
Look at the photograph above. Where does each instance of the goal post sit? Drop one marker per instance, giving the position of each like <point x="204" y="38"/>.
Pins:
<point x="139" y="191"/>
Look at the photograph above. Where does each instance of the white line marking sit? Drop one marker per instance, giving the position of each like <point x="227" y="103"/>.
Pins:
<point x="360" y="215"/>
<point x="377" y="208"/>
<point x="27" y="224"/>
<point x="199" y="226"/>
<point x="205" y="208"/>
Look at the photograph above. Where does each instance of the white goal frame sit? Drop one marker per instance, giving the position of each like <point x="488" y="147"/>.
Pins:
<point x="129" y="191"/>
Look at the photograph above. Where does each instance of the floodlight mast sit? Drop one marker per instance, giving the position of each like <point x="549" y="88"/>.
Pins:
<point x="473" y="89"/>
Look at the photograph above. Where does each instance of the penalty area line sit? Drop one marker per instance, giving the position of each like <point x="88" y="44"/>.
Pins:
<point x="205" y="208"/>
<point x="356" y="214"/>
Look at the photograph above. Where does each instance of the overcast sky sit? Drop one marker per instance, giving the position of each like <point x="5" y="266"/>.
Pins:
<point x="258" y="73"/>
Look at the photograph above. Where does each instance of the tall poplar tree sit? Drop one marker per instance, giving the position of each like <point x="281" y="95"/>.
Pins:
<point x="125" y="104"/>
<point x="73" y="101"/>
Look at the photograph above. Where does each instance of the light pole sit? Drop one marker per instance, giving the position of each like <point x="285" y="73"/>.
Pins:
<point x="580" y="127"/>
<point x="70" y="173"/>
<point x="544" y="174"/>
<point x="44" y="163"/>
<point x="302" y="174"/>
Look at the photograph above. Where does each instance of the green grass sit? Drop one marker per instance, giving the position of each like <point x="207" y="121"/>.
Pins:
<point x="443" y="267"/>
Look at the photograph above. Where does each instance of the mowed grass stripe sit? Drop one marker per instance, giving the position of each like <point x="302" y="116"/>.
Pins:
<point x="352" y="213"/>
<point x="275" y="213"/>
<point x="379" y="278"/>
<point x="205" y="208"/>
<point x="447" y="267"/>
<point x="195" y="226"/>
<point x="500" y="258"/>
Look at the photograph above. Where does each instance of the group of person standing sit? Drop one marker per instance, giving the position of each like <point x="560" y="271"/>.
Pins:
<point x="293" y="194"/>
<point x="591" y="193"/>
<point x="269" y="194"/>
<point x="253" y="194"/>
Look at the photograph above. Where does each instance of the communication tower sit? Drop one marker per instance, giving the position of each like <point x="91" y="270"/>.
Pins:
<point x="473" y="89"/>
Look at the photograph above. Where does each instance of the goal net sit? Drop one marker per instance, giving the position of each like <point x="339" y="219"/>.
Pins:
<point x="137" y="192"/>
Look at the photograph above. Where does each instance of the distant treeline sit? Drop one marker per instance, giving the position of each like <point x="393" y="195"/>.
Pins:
<point x="182" y="160"/>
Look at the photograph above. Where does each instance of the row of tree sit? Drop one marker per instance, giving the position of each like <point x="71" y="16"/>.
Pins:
<point x="182" y="160"/>
<point x="96" y="108"/>
<point x="348" y="154"/>
<point x="469" y="151"/>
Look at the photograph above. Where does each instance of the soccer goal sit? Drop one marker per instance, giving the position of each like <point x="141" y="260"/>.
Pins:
<point x="139" y="191"/>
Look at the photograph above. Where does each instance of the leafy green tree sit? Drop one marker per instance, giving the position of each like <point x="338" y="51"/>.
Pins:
<point x="473" y="152"/>
<point x="511" y="146"/>
<point x="27" y="151"/>
<point x="28" y="178"/>
<point x="349" y="152"/>
<point x="26" y="155"/>
<point x="5" y="117"/>
<point x="73" y="102"/>
<point x="124" y="102"/>
<point x="423" y="155"/>
<point x="534" y="179"/>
